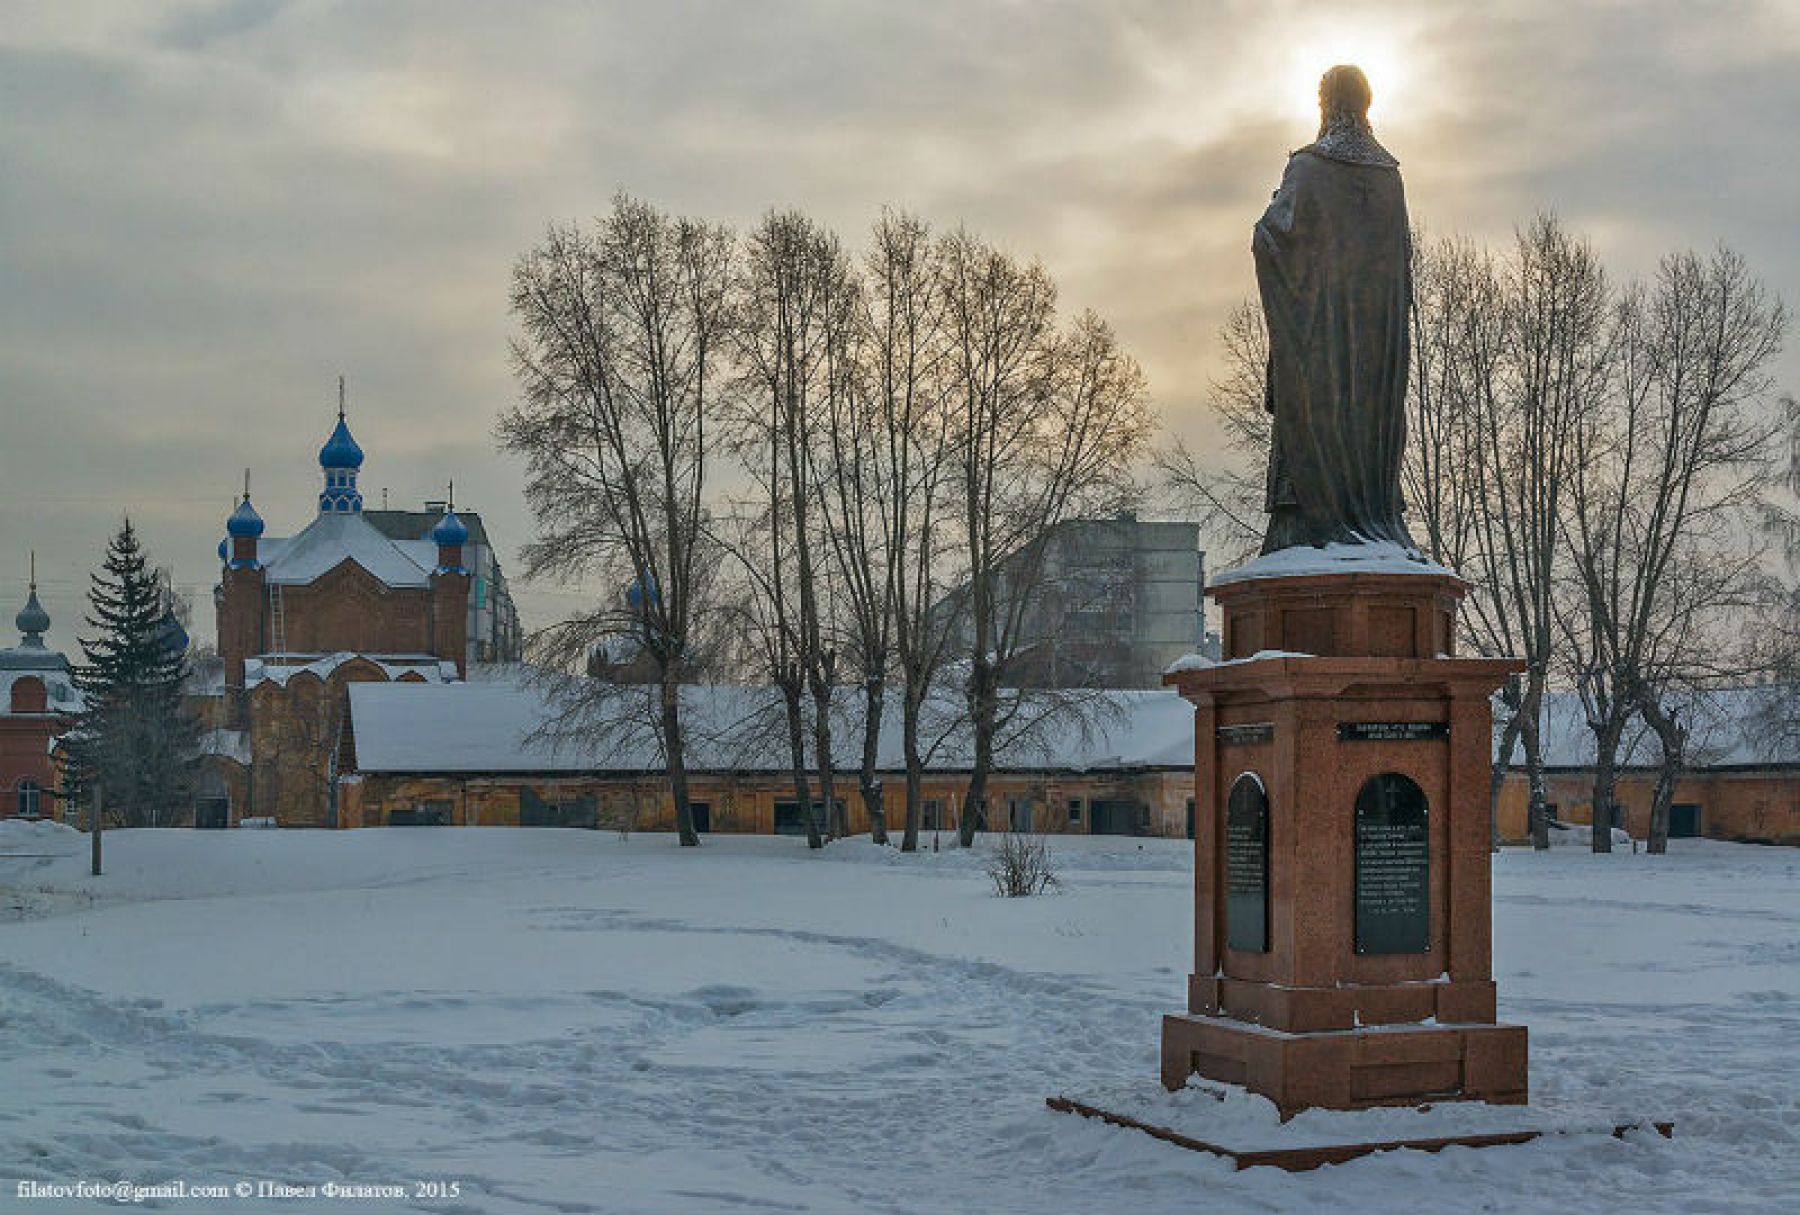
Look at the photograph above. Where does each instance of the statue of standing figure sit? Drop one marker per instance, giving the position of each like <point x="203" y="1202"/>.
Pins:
<point x="1334" y="266"/>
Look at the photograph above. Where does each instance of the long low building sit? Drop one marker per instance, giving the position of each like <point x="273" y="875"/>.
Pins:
<point x="505" y="752"/>
<point x="1742" y="780"/>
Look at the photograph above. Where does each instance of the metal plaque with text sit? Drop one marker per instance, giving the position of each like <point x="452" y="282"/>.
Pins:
<point x="1247" y="865"/>
<point x="1392" y="731"/>
<point x="1393" y="867"/>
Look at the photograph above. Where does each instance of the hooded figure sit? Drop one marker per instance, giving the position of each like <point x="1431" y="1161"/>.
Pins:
<point x="1333" y="263"/>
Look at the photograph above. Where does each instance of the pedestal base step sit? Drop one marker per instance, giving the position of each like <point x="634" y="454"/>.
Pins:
<point x="1252" y="1144"/>
<point x="1349" y="1069"/>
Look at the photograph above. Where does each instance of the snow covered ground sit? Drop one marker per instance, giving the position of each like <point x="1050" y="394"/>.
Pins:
<point x="562" y="1021"/>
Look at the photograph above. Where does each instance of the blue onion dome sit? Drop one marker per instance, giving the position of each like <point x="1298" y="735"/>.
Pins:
<point x="340" y="450"/>
<point x="32" y="619"/>
<point x="170" y="636"/>
<point x="450" y="531"/>
<point x="244" y="521"/>
<point x="224" y="551"/>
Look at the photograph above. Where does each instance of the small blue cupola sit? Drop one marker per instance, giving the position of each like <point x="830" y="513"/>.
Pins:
<point x="450" y="535"/>
<point x="242" y="529"/>
<point x="450" y="531"/>
<point x="244" y="521"/>
<point x="340" y="460"/>
<point x="33" y="620"/>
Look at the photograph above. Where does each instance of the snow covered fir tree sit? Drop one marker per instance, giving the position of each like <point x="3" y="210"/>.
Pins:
<point x="133" y="742"/>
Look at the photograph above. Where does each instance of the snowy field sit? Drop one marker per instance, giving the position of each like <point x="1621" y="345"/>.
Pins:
<point x="562" y="1021"/>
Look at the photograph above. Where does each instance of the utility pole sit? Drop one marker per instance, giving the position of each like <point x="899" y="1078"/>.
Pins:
<point x="97" y="817"/>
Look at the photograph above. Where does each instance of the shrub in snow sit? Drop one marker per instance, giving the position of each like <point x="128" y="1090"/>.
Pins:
<point x="1021" y="865"/>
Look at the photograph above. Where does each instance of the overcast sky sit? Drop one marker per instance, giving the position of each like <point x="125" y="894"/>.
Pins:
<point x="209" y="209"/>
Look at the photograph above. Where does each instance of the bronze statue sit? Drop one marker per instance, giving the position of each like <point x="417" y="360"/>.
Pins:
<point x="1333" y="262"/>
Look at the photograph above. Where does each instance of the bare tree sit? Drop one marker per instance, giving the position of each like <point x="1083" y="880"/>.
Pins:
<point x="906" y="379"/>
<point x="798" y="302"/>
<point x="623" y="329"/>
<point x="1046" y="427"/>
<point x="1227" y="495"/>
<point x="1534" y="355"/>
<point x="1673" y="475"/>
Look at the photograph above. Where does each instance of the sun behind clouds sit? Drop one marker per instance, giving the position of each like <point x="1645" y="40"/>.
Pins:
<point x="1379" y="53"/>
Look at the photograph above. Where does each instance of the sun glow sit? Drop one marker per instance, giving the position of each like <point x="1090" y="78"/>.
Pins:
<point x="1378" y="53"/>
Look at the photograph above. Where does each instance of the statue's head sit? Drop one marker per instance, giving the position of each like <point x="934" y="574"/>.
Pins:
<point x="1343" y="96"/>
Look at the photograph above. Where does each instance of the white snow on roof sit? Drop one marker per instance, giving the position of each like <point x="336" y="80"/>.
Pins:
<point x="265" y="669"/>
<point x="1743" y="727"/>
<point x="1381" y="557"/>
<point x="228" y="744"/>
<point x="330" y="540"/>
<point x="59" y="692"/>
<point x="486" y="726"/>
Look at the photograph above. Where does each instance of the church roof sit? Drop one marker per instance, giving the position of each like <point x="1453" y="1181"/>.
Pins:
<point x="331" y="539"/>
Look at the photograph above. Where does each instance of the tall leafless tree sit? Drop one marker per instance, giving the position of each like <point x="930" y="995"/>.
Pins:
<point x="797" y="311"/>
<point x="623" y="331"/>
<point x="1046" y="426"/>
<point x="1227" y="495"/>
<point x="1535" y="362"/>
<point x="906" y="380"/>
<point x="1671" y="478"/>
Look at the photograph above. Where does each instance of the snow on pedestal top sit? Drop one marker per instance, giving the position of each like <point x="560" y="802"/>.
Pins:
<point x="1379" y="557"/>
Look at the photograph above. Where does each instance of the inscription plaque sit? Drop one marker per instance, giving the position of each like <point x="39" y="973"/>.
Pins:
<point x="1392" y="731"/>
<point x="1260" y="732"/>
<point x="1247" y="865"/>
<point x="1393" y="867"/>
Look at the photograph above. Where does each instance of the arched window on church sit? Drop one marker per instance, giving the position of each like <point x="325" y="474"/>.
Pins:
<point x="30" y="798"/>
<point x="29" y="696"/>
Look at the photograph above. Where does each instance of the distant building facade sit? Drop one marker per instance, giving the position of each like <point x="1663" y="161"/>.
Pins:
<point x="1119" y="600"/>
<point x="1742" y="780"/>
<point x="467" y="755"/>
<point x="37" y="701"/>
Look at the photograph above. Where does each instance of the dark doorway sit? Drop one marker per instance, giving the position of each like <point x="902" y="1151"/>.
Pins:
<point x="534" y="811"/>
<point x="212" y="813"/>
<point x="701" y="813"/>
<point x="431" y="814"/>
<point x="789" y="822"/>
<point x="1190" y="818"/>
<point x="1114" y="817"/>
<point x="1684" y="821"/>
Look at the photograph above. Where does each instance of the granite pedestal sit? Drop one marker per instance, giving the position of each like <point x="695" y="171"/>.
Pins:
<point x="1342" y="949"/>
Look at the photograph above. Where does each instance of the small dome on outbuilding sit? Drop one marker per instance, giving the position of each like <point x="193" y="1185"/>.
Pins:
<point x="450" y="531"/>
<point x="244" y="521"/>
<point x="33" y="620"/>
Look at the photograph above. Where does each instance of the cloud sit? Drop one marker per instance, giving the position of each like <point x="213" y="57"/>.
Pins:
<point x="214" y="208"/>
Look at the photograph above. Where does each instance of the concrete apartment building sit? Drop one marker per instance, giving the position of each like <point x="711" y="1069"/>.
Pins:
<point x="1120" y="600"/>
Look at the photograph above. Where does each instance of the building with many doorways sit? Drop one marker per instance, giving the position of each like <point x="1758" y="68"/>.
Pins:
<point x="37" y="700"/>
<point x="300" y="618"/>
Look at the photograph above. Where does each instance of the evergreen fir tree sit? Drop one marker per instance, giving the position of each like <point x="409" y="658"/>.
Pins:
<point x="134" y="740"/>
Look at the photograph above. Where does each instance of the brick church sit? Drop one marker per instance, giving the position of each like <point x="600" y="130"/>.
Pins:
<point x="299" y="619"/>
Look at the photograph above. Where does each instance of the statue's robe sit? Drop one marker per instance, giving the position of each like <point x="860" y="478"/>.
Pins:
<point x="1333" y="262"/>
